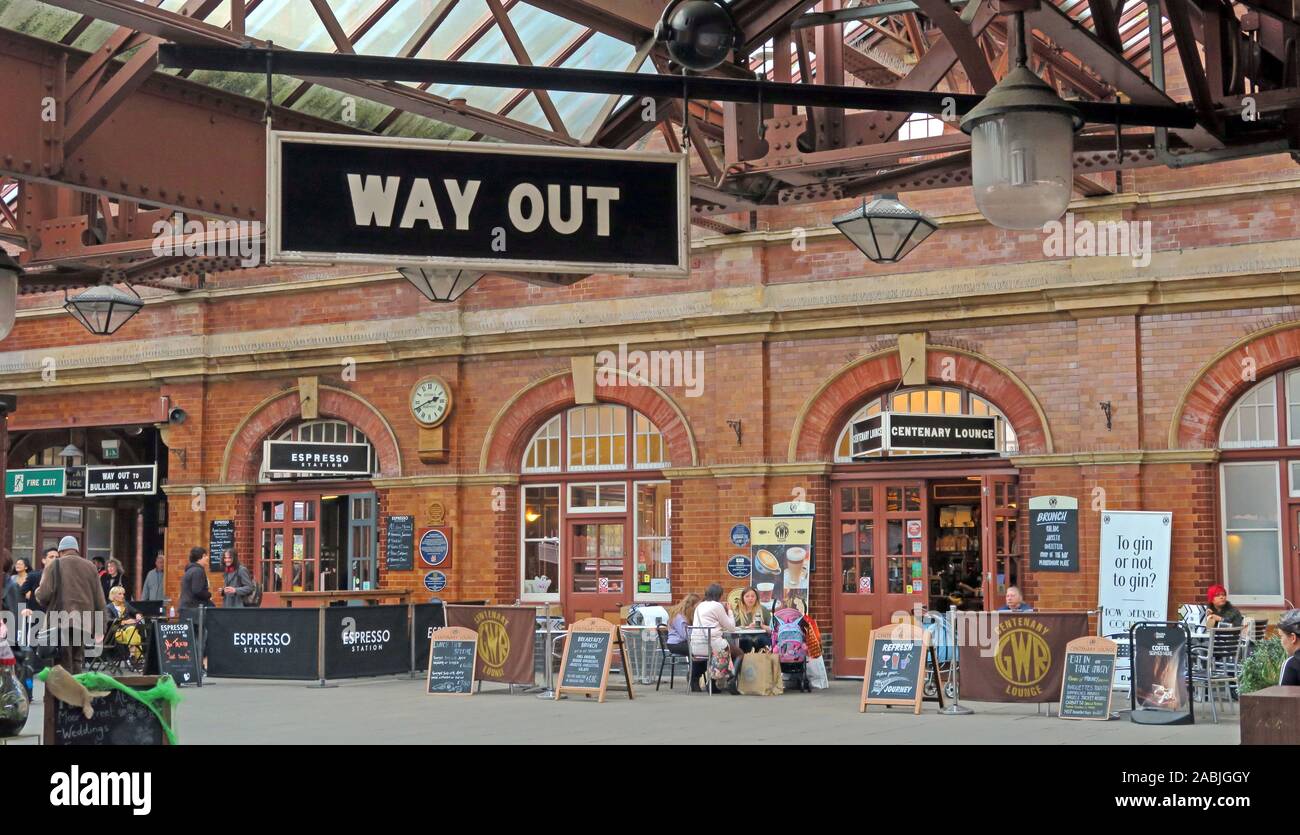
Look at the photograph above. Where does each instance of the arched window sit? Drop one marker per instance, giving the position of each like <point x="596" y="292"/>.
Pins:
<point x="319" y="431"/>
<point x="595" y="515"/>
<point x="931" y="400"/>
<point x="1258" y="492"/>
<point x="52" y="457"/>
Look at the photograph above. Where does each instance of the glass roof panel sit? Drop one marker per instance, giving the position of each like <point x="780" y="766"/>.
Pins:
<point x="491" y="48"/>
<point x="544" y="34"/>
<point x="294" y="24"/>
<point x="408" y="124"/>
<point x="456" y="26"/>
<point x="325" y="103"/>
<point x="36" y="19"/>
<point x="394" y="28"/>
<point x="579" y="110"/>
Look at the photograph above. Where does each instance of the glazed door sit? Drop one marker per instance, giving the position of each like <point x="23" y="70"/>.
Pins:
<point x="599" y="578"/>
<point x="363" y="542"/>
<point x="881" y="542"/>
<point x="288" y="543"/>
<point x="999" y="510"/>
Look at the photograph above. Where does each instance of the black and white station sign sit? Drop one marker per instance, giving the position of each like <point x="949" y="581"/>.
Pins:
<point x="923" y="433"/>
<point x="475" y="205"/>
<point x="305" y="458"/>
<point x="136" y="480"/>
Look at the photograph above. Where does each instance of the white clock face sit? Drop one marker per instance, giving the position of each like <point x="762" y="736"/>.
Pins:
<point x="429" y="401"/>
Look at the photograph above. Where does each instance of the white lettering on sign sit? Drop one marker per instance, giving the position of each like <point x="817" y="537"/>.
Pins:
<point x="943" y="432"/>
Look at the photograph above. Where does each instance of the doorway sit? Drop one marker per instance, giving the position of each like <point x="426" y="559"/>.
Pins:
<point x="598" y="569"/>
<point x="314" y="542"/>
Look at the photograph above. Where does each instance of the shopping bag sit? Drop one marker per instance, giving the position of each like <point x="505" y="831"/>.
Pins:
<point x="760" y="675"/>
<point x="817" y="673"/>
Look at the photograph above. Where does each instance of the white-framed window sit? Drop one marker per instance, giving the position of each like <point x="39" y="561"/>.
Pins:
<point x="597" y="438"/>
<point x="540" y="542"/>
<point x="931" y="400"/>
<point x="654" y="546"/>
<point x="543" y="452"/>
<point x="649" y="452"/>
<point x="1293" y="477"/>
<point x="598" y="497"/>
<point x="1293" y="407"/>
<point x="1252" y="531"/>
<point x="1252" y="422"/>
<point x="99" y="532"/>
<point x="920" y="126"/>
<point x="22" y="537"/>
<point x="324" y="431"/>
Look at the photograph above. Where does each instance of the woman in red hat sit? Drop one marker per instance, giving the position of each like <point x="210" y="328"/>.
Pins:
<point x="1221" y="611"/>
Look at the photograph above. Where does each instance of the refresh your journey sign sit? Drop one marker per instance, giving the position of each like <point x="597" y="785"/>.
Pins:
<point x="457" y="205"/>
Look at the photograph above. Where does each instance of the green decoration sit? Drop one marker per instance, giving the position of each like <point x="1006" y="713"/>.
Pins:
<point x="164" y="691"/>
<point x="1264" y="666"/>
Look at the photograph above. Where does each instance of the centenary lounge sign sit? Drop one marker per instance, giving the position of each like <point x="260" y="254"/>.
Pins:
<point x="475" y="206"/>
<point x="903" y="431"/>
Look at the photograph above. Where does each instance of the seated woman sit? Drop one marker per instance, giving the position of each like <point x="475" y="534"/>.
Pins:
<point x="1221" y="611"/>
<point x="710" y="613"/>
<point x="127" y="620"/>
<point x="750" y="614"/>
<point x="679" y="617"/>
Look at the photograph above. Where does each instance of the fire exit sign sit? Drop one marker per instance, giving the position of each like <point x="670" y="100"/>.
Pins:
<point x="43" y="481"/>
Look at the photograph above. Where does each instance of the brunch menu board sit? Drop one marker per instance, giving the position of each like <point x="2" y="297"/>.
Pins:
<point x="895" y="670"/>
<point x="588" y="651"/>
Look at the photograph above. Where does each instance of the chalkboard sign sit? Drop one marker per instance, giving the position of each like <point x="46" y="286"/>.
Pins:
<point x="587" y="652"/>
<point x="399" y="536"/>
<point x="221" y="535"/>
<point x="452" y="654"/>
<point x="895" y="670"/>
<point x="1054" y="533"/>
<point x="1086" y="682"/>
<point x="177" y="651"/>
<point x="118" y="720"/>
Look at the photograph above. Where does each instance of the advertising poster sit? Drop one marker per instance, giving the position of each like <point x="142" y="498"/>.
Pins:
<point x="782" y="560"/>
<point x="1161" y="692"/>
<point x="1028" y="655"/>
<point x="1133" y="582"/>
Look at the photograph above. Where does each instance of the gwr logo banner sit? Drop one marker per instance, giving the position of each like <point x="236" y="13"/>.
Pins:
<point x="1027" y="657"/>
<point x="505" y="640"/>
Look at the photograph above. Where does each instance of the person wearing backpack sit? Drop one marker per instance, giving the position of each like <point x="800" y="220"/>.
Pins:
<point x="238" y="584"/>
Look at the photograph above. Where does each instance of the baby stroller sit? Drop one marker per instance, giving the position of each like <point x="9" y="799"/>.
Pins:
<point x="940" y="629"/>
<point x="790" y="649"/>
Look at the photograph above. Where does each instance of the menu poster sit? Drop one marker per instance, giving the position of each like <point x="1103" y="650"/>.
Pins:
<point x="175" y="647"/>
<point x="1054" y="533"/>
<point x="453" y="652"/>
<point x="588" y="649"/>
<point x="399" y="543"/>
<point x="1086" y="683"/>
<point x="782" y="553"/>
<point x="1161" y="676"/>
<point x="895" y="672"/>
<point x="221" y="535"/>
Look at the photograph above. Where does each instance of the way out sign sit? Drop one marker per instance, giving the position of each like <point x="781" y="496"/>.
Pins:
<point x="475" y="205"/>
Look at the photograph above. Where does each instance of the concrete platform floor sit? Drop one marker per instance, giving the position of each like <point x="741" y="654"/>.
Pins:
<point x="397" y="711"/>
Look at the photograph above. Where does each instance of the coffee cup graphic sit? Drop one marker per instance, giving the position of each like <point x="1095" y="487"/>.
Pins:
<point x="765" y="593"/>
<point x="796" y="561"/>
<point x="766" y="562"/>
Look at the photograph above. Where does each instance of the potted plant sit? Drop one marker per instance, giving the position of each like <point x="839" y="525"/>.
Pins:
<point x="1264" y="666"/>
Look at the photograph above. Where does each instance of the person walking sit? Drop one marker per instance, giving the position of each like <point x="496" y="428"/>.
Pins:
<point x="238" y="584"/>
<point x="154" y="581"/>
<point x="70" y="589"/>
<point x="194" y="582"/>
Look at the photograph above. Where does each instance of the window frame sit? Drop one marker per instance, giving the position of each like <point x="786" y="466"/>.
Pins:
<point x="1008" y="439"/>
<point x="584" y="510"/>
<point x="650" y="596"/>
<point x="1252" y="599"/>
<point x="550" y="596"/>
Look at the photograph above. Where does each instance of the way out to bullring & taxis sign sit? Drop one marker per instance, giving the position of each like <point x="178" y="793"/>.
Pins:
<point x="482" y="206"/>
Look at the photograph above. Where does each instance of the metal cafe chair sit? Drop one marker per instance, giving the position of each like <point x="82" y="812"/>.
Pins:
<point x="702" y="660"/>
<point x="1217" y="665"/>
<point x="668" y="657"/>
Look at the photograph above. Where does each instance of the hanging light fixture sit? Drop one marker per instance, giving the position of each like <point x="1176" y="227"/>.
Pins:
<point x="1022" y="147"/>
<point x="440" y="285"/>
<point x="10" y="269"/>
<point x="885" y="229"/>
<point x="70" y="451"/>
<point x="104" y="308"/>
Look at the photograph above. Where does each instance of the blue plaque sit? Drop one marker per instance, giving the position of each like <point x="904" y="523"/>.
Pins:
<point x="739" y="566"/>
<point x="435" y="581"/>
<point x="739" y="535"/>
<point x="434" y="547"/>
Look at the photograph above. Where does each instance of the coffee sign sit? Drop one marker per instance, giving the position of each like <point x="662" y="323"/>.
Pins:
<point x="1054" y="533"/>
<point x="307" y="458"/>
<point x="475" y="205"/>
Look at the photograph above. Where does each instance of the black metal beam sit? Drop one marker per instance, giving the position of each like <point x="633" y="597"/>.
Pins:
<point x="704" y="88"/>
<point x="862" y="13"/>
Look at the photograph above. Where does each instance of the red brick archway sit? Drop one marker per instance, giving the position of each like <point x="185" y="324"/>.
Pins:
<point x="524" y="415"/>
<point x="1214" y="391"/>
<point x="244" y="454"/>
<point x="818" y="429"/>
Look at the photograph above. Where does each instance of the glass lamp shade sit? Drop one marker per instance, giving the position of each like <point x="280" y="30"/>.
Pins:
<point x="885" y="229"/>
<point x="1022" y="168"/>
<point x="103" y="309"/>
<point x="440" y="285"/>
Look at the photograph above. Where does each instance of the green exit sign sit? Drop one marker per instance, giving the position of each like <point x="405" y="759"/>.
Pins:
<point x="44" y="481"/>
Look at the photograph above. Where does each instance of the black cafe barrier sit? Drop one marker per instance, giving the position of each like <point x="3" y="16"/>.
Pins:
<point x="287" y="643"/>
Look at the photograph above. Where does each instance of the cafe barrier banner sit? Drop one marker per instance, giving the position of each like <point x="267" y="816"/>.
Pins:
<point x="426" y="617"/>
<point x="261" y="643"/>
<point x="782" y="557"/>
<point x="505" y="640"/>
<point x="1028" y="654"/>
<point x="1133" y="584"/>
<point x="366" y="641"/>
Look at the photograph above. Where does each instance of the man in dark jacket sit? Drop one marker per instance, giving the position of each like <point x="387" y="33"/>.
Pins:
<point x="194" y="583"/>
<point x="70" y="591"/>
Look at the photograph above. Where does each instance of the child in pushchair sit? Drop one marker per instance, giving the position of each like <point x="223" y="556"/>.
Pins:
<point x="790" y="647"/>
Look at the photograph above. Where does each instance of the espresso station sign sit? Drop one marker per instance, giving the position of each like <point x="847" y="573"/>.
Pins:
<point x="475" y="205"/>
<point x="303" y="458"/>
<point x="907" y="432"/>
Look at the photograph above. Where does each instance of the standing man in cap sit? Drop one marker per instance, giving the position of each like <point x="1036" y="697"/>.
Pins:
<point x="70" y="589"/>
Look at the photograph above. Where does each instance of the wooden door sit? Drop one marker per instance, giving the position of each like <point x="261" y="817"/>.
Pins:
<point x="999" y="511"/>
<point x="599" y="580"/>
<point x="881" y="535"/>
<point x="288" y="542"/>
